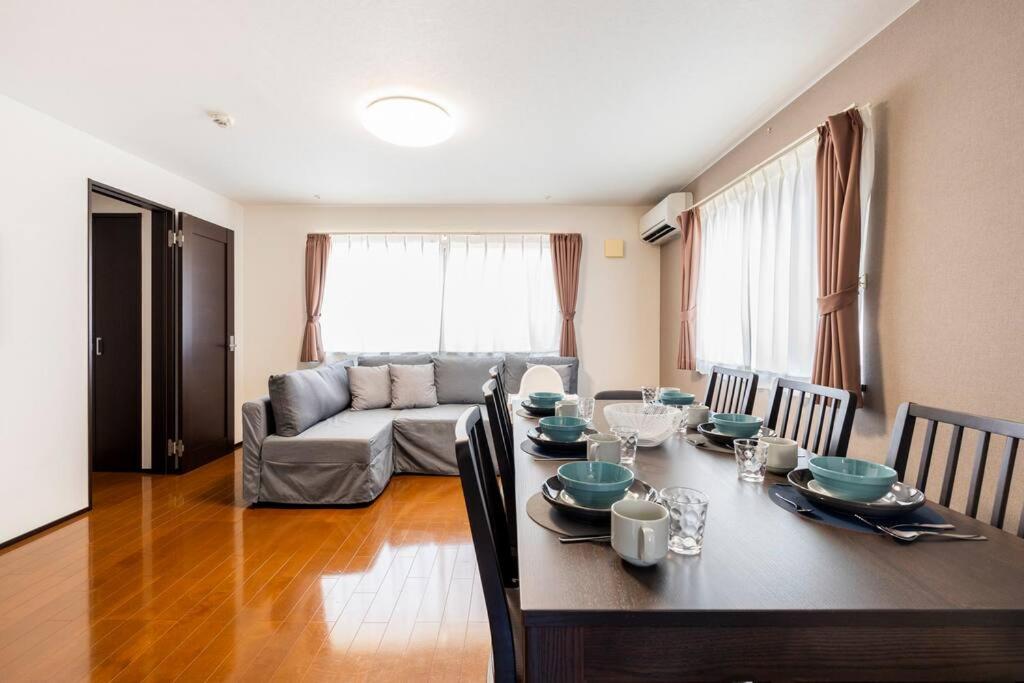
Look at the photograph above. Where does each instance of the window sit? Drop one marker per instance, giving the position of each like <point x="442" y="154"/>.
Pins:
<point x="756" y="298"/>
<point x="440" y="293"/>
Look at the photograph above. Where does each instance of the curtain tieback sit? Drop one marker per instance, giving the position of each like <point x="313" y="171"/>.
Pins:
<point x="689" y="315"/>
<point x="837" y="300"/>
<point x="313" y="319"/>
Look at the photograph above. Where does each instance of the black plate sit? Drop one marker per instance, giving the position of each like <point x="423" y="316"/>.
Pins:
<point x="553" y="493"/>
<point x="548" y="445"/>
<point x="527" y="446"/>
<point x="711" y="433"/>
<point x="900" y="500"/>
<point x="537" y="410"/>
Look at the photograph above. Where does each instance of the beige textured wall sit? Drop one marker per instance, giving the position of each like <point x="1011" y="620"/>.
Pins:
<point x="617" y="308"/>
<point x="946" y="254"/>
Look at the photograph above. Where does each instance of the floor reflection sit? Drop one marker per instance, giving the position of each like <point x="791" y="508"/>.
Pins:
<point x="173" y="578"/>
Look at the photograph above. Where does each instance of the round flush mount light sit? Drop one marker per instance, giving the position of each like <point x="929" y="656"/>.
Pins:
<point x="408" y="121"/>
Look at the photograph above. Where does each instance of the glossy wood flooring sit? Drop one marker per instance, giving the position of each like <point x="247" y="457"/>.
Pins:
<point x="173" y="578"/>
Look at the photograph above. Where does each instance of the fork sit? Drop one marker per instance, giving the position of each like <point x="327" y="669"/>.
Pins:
<point x="911" y="536"/>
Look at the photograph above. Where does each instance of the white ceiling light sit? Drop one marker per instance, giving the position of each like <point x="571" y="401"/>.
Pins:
<point x="408" y="121"/>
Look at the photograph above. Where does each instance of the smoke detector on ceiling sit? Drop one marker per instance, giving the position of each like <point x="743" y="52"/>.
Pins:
<point x="221" y="119"/>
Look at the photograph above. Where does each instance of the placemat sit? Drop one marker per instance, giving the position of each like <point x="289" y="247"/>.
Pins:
<point x="834" y="518"/>
<point x="551" y="519"/>
<point x="530" y="447"/>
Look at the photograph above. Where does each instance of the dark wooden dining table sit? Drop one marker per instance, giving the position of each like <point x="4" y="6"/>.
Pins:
<point x="773" y="595"/>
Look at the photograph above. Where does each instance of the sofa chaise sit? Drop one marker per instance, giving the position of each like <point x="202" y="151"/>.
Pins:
<point x="321" y="451"/>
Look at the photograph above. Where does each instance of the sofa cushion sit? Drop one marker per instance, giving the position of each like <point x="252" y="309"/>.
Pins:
<point x="302" y="398"/>
<point x="515" y="368"/>
<point x="352" y="436"/>
<point x="459" y="377"/>
<point x="377" y="359"/>
<point x="425" y="439"/>
<point x="412" y="386"/>
<point x="371" y="387"/>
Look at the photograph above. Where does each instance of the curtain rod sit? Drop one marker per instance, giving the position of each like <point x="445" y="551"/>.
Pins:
<point x="796" y="143"/>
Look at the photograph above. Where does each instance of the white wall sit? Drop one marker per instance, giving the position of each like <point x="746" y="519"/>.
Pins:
<point x="44" y="167"/>
<point x="617" y="309"/>
<point x="101" y="204"/>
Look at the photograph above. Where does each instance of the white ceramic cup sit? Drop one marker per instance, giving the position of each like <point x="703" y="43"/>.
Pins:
<point x="782" y="453"/>
<point x="640" y="531"/>
<point x="697" y="414"/>
<point x="567" y="408"/>
<point x="603" y="447"/>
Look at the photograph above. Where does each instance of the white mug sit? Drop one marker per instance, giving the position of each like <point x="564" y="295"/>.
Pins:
<point x="782" y="453"/>
<point x="697" y="414"/>
<point x="640" y="531"/>
<point x="603" y="447"/>
<point x="567" y="408"/>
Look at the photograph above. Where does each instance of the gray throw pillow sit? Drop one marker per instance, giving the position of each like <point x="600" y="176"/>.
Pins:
<point x="302" y="398"/>
<point x="371" y="387"/>
<point x="564" y="371"/>
<point x="460" y="378"/>
<point x="412" y="386"/>
<point x="515" y="367"/>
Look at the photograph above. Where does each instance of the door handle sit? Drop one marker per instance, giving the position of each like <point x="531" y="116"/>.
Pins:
<point x="231" y="343"/>
<point x="98" y="345"/>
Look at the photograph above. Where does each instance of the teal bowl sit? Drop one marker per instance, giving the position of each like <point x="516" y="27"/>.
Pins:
<point x="850" y="479"/>
<point x="677" y="398"/>
<point x="545" y="399"/>
<point x="595" y="484"/>
<point x="737" y="424"/>
<point x="563" y="427"/>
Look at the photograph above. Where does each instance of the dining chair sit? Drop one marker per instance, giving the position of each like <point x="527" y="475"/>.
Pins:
<point x="489" y="543"/>
<point x="831" y="428"/>
<point x="618" y="395"/>
<point x="731" y="391"/>
<point x="540" y="378"/>
<point x="500" y="426"/>
<point x="496" y="374"/>
<point x="902" y="440"/>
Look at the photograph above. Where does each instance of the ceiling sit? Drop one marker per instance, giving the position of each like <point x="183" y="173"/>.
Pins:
<point x="585" y="102"/>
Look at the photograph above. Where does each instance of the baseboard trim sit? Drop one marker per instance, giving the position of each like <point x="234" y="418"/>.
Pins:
<point x="238" y="445"/>
<point x="46" y="527"/>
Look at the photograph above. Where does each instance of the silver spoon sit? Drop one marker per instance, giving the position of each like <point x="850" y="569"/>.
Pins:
<point x="910" y="536"/>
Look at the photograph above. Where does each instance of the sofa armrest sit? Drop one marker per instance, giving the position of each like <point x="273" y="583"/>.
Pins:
<point x="257" y="425"/>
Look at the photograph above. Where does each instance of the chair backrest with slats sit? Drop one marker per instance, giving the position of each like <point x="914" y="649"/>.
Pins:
<point x="818" y="418"/>
<point x="500" y="425"/>
<point x="618" y="395"/>
<point x="986" y="427"/>
<point x="484" y="524"/>
<point x="731" y="391"/>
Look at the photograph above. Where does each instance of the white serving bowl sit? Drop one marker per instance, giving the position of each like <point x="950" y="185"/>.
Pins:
<point x="654" y="422"/>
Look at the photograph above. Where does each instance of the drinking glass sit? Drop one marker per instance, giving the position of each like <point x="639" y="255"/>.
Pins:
<point x="751" y="459"/>
<point x="649" y="394"/>
<point x="586" y="408"/>
<point x="687" y="515"/>
<point x="628" y="438"/>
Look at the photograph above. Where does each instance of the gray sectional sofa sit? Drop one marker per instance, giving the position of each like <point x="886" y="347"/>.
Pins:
<point x="320" y="451"/>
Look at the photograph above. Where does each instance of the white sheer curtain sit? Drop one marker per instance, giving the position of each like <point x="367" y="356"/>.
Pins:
<point x="383" y="293"/>
<point x="499" y="294"/>
<point x="758" y="286"/>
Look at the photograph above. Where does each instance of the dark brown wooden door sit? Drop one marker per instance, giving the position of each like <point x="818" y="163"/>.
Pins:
<point x="207" y="373"/>
<point x="117" y="341"/>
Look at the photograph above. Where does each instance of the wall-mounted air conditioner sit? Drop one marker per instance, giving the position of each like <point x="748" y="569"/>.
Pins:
<point x="660" y="223"/>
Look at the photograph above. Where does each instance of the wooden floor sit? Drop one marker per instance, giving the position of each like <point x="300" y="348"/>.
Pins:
<point x="173" y="578"/>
